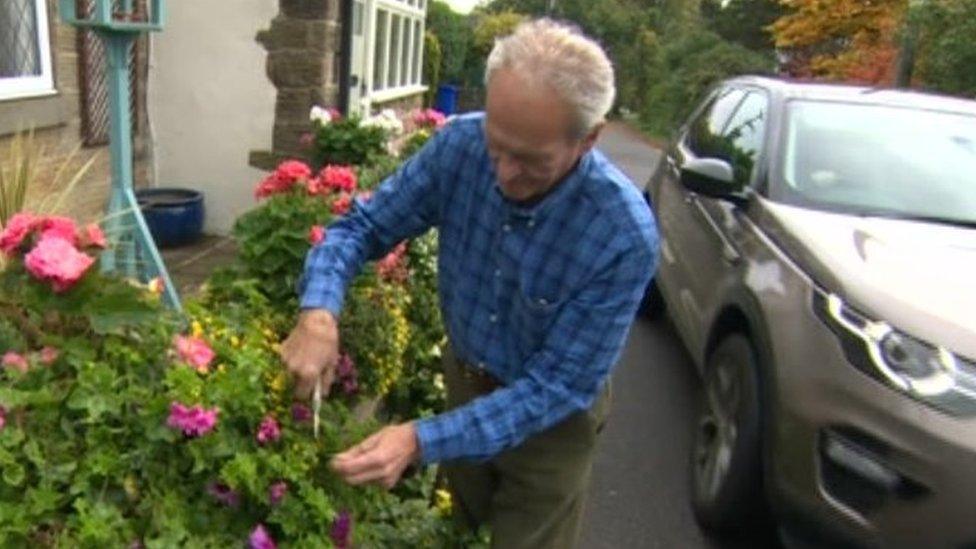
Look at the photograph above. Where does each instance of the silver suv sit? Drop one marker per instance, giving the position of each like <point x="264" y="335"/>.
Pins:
<point x="819" y="262"/>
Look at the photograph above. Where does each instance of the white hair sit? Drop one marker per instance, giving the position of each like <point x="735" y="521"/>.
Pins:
<point x="558" y="55"/>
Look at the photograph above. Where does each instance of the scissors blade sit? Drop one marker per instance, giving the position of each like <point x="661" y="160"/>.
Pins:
<point x="316" y="406"/>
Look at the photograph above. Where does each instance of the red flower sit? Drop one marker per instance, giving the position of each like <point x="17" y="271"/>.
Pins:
<point x="337" y="178"/>
<point x="16" y="361"/>
<point x="341" y="205"/>
<point x="284" y="178"/>
<point x="392" y="267"/>
<point x="316" y="234"/>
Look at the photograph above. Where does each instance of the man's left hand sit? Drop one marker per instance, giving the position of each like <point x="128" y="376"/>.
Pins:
<point x="381" y="458"/>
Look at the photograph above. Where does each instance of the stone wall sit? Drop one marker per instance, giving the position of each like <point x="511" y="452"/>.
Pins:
<point x="303" y="43"/>
<point x="57" y="136"/>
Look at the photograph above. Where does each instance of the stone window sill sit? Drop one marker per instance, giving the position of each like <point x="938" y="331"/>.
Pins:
<point x="33" y="112"/>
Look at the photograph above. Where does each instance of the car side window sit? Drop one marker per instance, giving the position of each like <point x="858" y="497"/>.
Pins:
<point x="706" y="130"/>
<point x="742" y="137"/>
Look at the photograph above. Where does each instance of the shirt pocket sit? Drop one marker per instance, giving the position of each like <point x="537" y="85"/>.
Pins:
<point x="535" y="315"/>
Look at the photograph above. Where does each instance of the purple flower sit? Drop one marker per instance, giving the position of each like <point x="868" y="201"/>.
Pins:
<point x="194" y="422"/>
<point x="341" y="528"/>
<point x="268" y="431"/>
<point x="300" y="413"/>
<point x="277" y="491"/>
<point x="224" y="494"/>
<point x="260" y="539"/>
<point x="347" y="374"/>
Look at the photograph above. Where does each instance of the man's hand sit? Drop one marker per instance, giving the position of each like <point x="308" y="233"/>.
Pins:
<point x="312" y="351"/>
<point x="381" y="458"/>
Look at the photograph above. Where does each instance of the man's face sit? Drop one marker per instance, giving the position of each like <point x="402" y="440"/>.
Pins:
<point x="529" y="136"/>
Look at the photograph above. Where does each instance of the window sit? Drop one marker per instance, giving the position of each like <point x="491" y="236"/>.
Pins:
<point x="744" y="134"/>
<point x="397" y="48"/>
<point x="708" y="127"/>
<point x="25" y="49"/>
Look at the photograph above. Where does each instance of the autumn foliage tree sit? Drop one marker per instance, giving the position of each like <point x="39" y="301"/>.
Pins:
<point x="847" y="40"/>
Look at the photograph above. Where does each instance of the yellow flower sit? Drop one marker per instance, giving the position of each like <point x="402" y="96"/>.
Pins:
<point x="235" y="341"/>
<point x="443" y="501"/>
<point x="196" y="328"/>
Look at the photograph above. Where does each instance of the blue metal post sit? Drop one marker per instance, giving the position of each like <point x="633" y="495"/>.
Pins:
<point x="125" y="222"/>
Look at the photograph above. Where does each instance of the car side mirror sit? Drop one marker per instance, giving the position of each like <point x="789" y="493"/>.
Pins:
<point x="712" y="177"/>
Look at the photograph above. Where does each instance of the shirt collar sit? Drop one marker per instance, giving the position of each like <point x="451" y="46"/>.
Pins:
<point x="566" y="188"/>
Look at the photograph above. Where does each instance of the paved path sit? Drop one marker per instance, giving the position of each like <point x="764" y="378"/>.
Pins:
<point x="639" y="495"/>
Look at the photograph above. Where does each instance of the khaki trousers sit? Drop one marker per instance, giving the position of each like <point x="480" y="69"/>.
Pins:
<point x="530" y="496"/>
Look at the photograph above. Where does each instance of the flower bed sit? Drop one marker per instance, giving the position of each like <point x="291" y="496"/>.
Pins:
<point x="123" y="425"/>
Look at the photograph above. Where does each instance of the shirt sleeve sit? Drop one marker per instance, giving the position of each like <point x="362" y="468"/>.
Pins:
<point x="405" y="205"/>
<point x="562" y="378"/>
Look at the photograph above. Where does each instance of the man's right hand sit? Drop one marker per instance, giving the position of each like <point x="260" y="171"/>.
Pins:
<point x="311" y="351"/>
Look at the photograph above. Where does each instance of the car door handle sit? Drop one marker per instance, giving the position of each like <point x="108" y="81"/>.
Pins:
<point x="729" y="252"/>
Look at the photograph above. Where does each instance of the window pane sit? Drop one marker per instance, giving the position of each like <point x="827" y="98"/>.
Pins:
<point x="418" y="44"/>
<point x="19" y="50"/>
<point x="405" y="57"/>
<point x="744" y="133"/>
<point x="394" y="51"/>
<point x="705" y="132"/>
<point x="379" y="69"/>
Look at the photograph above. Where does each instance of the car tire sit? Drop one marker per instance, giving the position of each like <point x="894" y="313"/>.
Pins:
<point x="652" y="304"/>
<point x="726" y="467"/>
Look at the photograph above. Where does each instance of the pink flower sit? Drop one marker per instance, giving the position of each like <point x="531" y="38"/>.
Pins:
<point x="429" y="118"/>
<point x="59" y="227"/>
<point x="195" y="352"/>
<point x="316" y="234"/>
<point x="3" y="417"/>
<point x="224" y="494"/>
<point x="16" y="361"/>
<point x="260" y="539"/>
<point x="194" y="422"/>
<point x="92" y="235"/>
<point x="56" y="260"/>
<point x="341" y="205"/>
<point x="300" y="413"/>
<point x="337" y="178"/>
<point x="268" y="431"/>
<point x="334" y="114"/>
<point x="346" y="374"/>
<point x="17" y="228"/>
<point x="391" y="267"/>
<point x="49" y="355"/>
<point x="306" y="140"/>
<point x="277" y="491"/>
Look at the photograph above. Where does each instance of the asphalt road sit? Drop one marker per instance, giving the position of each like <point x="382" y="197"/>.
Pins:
<point x="639" y="494"/>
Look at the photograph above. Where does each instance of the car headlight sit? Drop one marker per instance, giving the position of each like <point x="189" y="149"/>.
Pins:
<point x="926" y="372"/>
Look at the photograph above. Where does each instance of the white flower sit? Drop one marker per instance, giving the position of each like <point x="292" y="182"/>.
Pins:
<point x="320" y="115"/>
<point x="387" y="119"/>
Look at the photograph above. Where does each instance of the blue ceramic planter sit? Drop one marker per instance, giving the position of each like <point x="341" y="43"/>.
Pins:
<point x="174" y="215"/>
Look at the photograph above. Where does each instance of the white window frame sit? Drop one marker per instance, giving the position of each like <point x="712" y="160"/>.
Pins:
<point x="409" y="12"/>
<point x="34" y="86"/>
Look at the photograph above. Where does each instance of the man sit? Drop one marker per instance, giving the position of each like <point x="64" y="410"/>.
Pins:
<point x="545" y="250"/>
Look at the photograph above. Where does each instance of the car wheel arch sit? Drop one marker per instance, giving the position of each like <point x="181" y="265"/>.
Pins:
<point x="742" y="314"/>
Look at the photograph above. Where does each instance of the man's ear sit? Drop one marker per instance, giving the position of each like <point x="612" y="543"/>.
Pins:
<point x="590" y="140"/>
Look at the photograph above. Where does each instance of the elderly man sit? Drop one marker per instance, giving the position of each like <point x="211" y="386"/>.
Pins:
<point x="545" y="250"/>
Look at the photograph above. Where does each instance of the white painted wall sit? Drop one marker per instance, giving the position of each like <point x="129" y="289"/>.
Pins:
<point x="210" y="102"/>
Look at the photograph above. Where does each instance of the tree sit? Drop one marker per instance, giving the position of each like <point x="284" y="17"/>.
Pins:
<point x="841" y="39"/>
<point x="947" y="53"/>
<point x="744" y="22"/>
<point x="453" y="31"/>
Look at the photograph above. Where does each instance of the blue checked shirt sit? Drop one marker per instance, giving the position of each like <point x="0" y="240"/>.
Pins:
<point x="540" y="297"/>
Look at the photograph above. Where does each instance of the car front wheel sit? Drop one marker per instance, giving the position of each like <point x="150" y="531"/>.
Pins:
<point x="726" y="471"/>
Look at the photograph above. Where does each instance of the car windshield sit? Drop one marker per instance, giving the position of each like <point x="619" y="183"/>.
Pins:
<point x="881" y="160"/>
